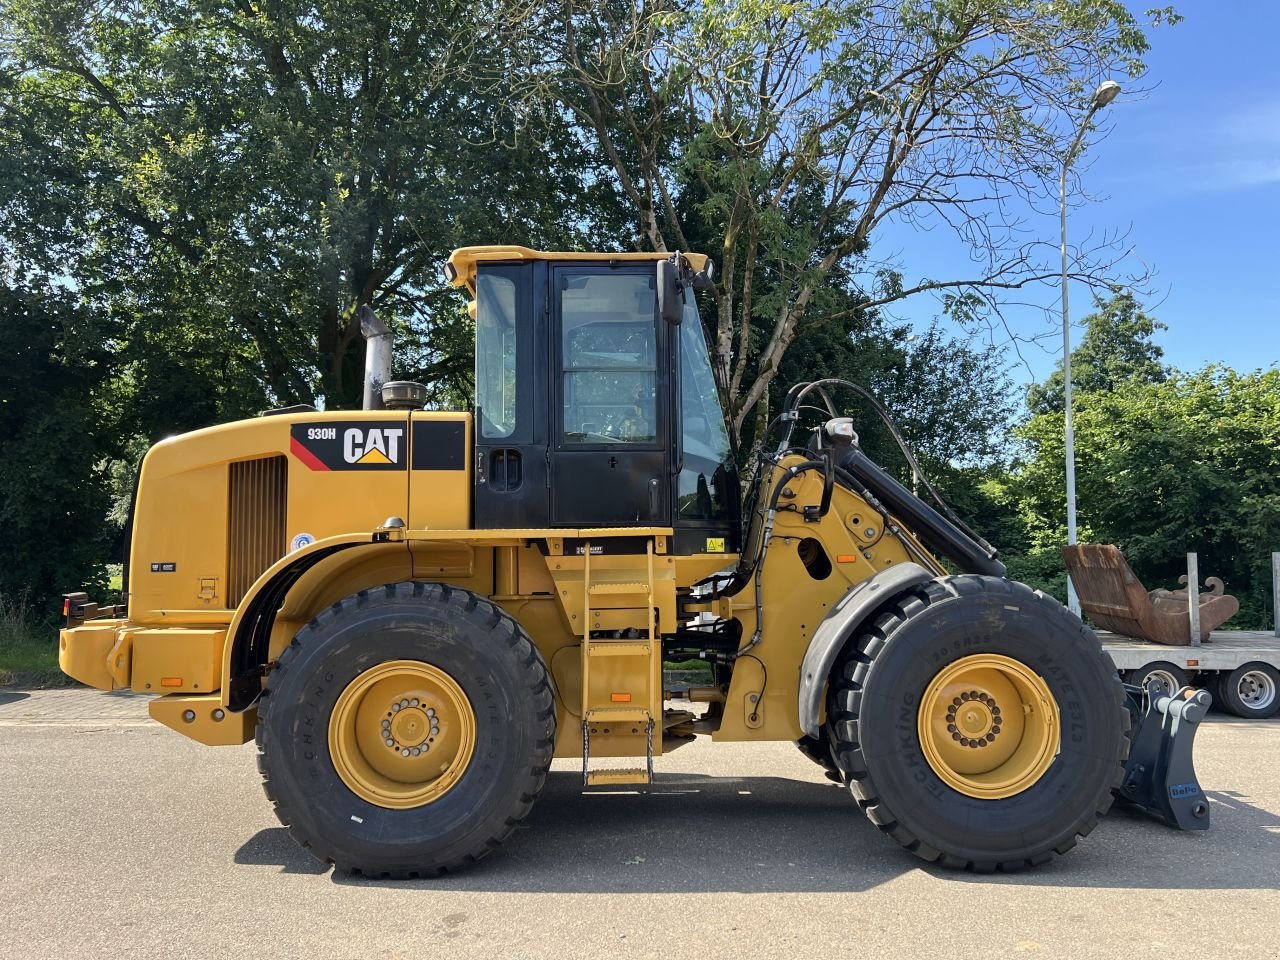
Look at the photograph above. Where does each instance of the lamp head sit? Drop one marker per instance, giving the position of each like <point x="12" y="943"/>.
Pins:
<point x="1106" y="92"/>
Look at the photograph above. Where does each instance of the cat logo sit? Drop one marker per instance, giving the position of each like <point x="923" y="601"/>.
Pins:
<point x="375" y="445"/>
<point x="353" y="445"/>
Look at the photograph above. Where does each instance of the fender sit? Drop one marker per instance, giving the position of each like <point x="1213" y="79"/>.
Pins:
<point x="840" y="623"/>
<point x="249" y="633"/>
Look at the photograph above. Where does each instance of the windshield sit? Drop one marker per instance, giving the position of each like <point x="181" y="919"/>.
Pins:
<point x="707" y="470"/>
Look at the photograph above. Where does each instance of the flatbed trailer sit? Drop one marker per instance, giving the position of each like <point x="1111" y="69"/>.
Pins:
<point x="1240" y="668"/>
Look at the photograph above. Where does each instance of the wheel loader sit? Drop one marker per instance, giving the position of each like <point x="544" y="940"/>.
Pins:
<point x="413" y="612"/>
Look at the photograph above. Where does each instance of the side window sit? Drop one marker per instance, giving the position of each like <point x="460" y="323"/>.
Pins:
<point x="608" y="325"/>
<point x="496" y="355"/>
<point x="703" y="488"/>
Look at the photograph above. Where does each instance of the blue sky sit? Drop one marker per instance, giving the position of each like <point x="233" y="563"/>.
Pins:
<point x="1191" y="169"/>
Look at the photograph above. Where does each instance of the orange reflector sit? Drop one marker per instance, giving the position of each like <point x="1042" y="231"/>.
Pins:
<point x="1193" y="663"/>
<point x="846" y="558"/>
<point x="170" y="681"/>
<point x="620" y="697"/>
<point x="66" y="608"/>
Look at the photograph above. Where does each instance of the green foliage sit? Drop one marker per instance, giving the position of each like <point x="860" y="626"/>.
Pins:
<point x="951" y="397"/>
<point x="57" y="429"/>
<point x="1117" y="348"/>
<point x="28" y="648"/>
<point x="1190" y="463"/>
<point x="237" y="179"/>
<point x="780" y="137"/>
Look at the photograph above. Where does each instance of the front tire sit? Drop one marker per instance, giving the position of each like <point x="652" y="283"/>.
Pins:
<point x="979" y="724"/>
<point x="406" y="730"/>
<point x="818" y="749"/>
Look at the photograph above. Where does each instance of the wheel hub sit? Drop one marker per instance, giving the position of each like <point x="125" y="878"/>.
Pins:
<point x="1256" y="689"/>
<point x="988" y="726"/>
<point x="974" y="719"/>
<point x="402" y="734"/>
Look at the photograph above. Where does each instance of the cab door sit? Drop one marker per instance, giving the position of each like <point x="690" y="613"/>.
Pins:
<point x="611" y="429"/>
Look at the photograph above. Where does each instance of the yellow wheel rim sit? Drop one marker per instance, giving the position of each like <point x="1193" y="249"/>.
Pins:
<point x="401" y="734"/>
<point x="989" y="726"/>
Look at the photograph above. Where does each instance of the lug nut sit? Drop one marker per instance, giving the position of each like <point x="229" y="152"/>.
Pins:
<point x="189" y="716"/>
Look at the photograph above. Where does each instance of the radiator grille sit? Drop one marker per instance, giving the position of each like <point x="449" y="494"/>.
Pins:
<point x="256" y="534"/>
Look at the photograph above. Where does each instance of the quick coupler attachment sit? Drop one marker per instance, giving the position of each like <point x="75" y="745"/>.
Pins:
<point x="1160" y="776"/>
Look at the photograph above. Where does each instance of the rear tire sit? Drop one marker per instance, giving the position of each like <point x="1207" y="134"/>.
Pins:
<point x="883" y="682"/>
<point x="501" y="733"/>
<point x="1171" y="673"/>
<point x="1251" y="691"/>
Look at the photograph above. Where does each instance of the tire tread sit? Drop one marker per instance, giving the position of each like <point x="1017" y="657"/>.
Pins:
<point x="849" y="679"/>
<point x="468" y="605"/>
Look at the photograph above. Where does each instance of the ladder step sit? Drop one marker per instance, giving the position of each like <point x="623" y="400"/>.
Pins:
<point x="617" y="715"/>
<point x="617" y="648"/>
<point x="641" y="589"/>
<point x="599" y="778"/>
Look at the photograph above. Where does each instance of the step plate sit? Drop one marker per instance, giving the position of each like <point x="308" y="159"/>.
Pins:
<point x="618" y="648"/>
<point x="601" y="715"/>
<point x="608" y="778"/>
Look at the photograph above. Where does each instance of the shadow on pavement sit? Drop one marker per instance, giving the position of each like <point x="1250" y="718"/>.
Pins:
<point x="699" y="834"/>
<point x="12" y="696"/>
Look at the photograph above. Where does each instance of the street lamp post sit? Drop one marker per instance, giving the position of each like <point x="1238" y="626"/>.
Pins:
<point x="1105" y="93"/>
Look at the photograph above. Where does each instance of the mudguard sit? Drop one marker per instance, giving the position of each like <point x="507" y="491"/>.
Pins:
<point x="840" y="623"/>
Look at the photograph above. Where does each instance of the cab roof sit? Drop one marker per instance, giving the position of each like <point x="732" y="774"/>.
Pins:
<point x="464" y="259"/>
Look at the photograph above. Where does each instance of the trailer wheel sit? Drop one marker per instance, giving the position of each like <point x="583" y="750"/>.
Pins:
<point x="818" y="750"/>
<point x="979" y="724"/>
<point x="1251" y="691"/>
<point x="406" y="730"/>
<point x="1170" y="673"/>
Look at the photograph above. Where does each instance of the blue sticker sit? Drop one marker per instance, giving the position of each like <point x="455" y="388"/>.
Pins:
<point x="301" y="540"/>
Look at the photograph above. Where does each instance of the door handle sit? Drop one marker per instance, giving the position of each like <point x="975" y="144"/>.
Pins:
<point x="653" y="497"/>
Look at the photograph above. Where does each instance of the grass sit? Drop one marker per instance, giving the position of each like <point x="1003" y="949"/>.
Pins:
<point x="28" y="649"/>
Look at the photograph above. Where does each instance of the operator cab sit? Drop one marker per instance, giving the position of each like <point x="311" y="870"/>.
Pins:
<point x="592" y="410"/>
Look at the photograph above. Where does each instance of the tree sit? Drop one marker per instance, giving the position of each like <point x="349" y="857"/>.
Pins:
<point x="238" y="177"/>
<point x="57" y="429"/>
<point x="1117" y="348"/>
<point x="1189" y="463"/>
<point x="951" y="398"/>
<point x="801" y="129"/>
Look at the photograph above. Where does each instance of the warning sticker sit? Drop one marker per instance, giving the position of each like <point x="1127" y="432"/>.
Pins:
<point x="349" y="445"/>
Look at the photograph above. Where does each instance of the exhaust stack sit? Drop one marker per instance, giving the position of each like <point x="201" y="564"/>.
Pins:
<point x="377" y="357"/>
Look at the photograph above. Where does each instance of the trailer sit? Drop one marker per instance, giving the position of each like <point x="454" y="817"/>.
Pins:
<point x="1240" y="668"/>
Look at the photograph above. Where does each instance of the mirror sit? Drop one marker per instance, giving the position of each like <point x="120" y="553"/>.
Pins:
<point x="705" y="279"/>
<point x="670" y="292"/>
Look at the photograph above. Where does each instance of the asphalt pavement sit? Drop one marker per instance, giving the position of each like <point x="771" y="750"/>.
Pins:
<point x="122" y="839"/>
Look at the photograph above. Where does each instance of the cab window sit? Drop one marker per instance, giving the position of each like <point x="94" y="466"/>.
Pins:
<point x="496" y="354"/>
<point x="609" y="349"/>
<point x="708" y="469"/>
